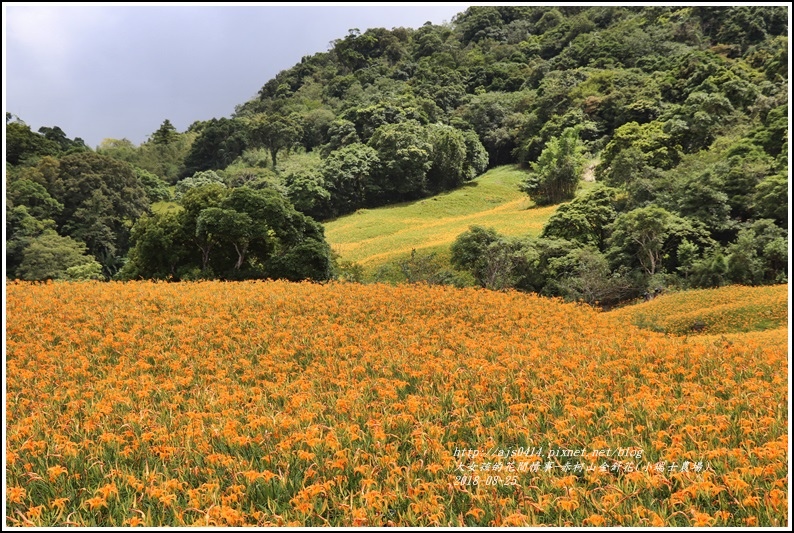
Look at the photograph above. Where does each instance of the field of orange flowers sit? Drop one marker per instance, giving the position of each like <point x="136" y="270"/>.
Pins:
<point x="274" y="403"/>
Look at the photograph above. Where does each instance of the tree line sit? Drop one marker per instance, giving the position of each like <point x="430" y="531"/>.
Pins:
<point x="683" y="108"/>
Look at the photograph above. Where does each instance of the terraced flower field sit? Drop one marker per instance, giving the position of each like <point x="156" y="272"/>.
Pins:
<point x="274" y="403"/>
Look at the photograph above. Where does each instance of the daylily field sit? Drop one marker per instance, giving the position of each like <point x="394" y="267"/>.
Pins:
<point x="275" y="403"/>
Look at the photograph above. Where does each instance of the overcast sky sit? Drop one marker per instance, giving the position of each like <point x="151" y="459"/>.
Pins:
<point x="119" y="71"/>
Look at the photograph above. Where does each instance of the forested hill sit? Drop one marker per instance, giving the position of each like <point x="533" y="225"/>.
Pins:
<point x="684" y="108"/>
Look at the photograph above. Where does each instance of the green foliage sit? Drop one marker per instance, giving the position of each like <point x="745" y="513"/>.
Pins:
<point x="216" y="226"/>
<point x="347" y="173"/>
<point x="218" y="144"/>
<point x="418" y="267"/>
<point x="480" y="22"/>
<point x="197" y="180"/>
<point x="34" y="197"/>
<point x="710" y="271"/>
<point x="448" y="163"/>
<point x="22" y="144"/>
<point x="307" y="260"/>
<point x="51" y="256"/>
<point x="229" y="233"/>
<point x="496" y="119"/>
<point x="404" y="156"/>
<point x="759" y="255"/>
<point x="315" y="125"/>
<point x="476" y="156"/>
<point x="645" y="238"/>
<point x="101" y="199"/>
<point x="646" y="145"/>
<point x="341" y="133"/>
<point x="555" y="176"/>
<point x="275" y="133"/>
<point x="591" y="280"/>
<point x="743" y="25"/>
<point x="160" y="245"/>
<point x="308" y="192"/>
<point x="393" y="110"/>
<point x="165" y="134"/>
<point x="65" y="144"/>
<point x="162" y="155"/>
<point x="585" y="219"/>
<point x="121" y="149"/>
<point x="156" y="189"/>
<point x="548" y="266"/>
<point x="487" y="256"/>
<point x="701" y="198"/>
<point x="85" y="271"/>
<point x="770" y="198"/>
<point x="773" y="135"/>
<point x="21" y="229"/>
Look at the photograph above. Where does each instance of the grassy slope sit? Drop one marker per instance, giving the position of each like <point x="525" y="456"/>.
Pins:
<point x="732" y="309"/>
<point x="165" y="207"/>
<point x="374" y="236"/>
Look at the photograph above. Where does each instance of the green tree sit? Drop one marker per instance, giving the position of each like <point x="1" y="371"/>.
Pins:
<point x="651" y="146"/>
<point x="85" y="271"/>
<point x="306" y="260"/>
<point x="216" y="226"/>
<point x="555" y="176"/>
<point x="21" y="229"/>
<point x="35" y="197"/>
<point x="584" y="219"/>
<point x="156" y="189"/>
<point x="231" y="233"/>
<point x="50" y="256"/>
<point x="646" y="237"/>
<point x="759" y="255"/>
<point x="121" y="149"/>
<point x="405" y="156"/>
<point x="688" y="255"/>
<point x="101" y="199"/>
<point x="341" y="133"/>
<point x="448" y="162"/>
<point x="308" y="192"/>
<point x="702" y="198"/>
<point x="495" y="118"/>
<point x="198" y="179"/>
<point x="218" y="144"/>
<point x="590" y="280"/>
<point x="165" y="134"/>
<point x="23" y="144"/>
<point x="275" y="133"/>
<point x="711" y="270"/>
<point x="65" y="144"/>
<point x="347" y="173"/>
<point x="160" y="246"/>
<point x="770" y="198"/>
<point x="487" y="256"/>
<point x="480" y="22"/>
<point x="476" y="156"/>
<point x="315" y="125"/>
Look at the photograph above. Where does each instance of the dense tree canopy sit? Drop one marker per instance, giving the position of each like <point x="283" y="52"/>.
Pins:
<point x="230" y="233"/>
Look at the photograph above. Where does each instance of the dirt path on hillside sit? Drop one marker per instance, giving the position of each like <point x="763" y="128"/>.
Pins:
<point x="589" y="171"/>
